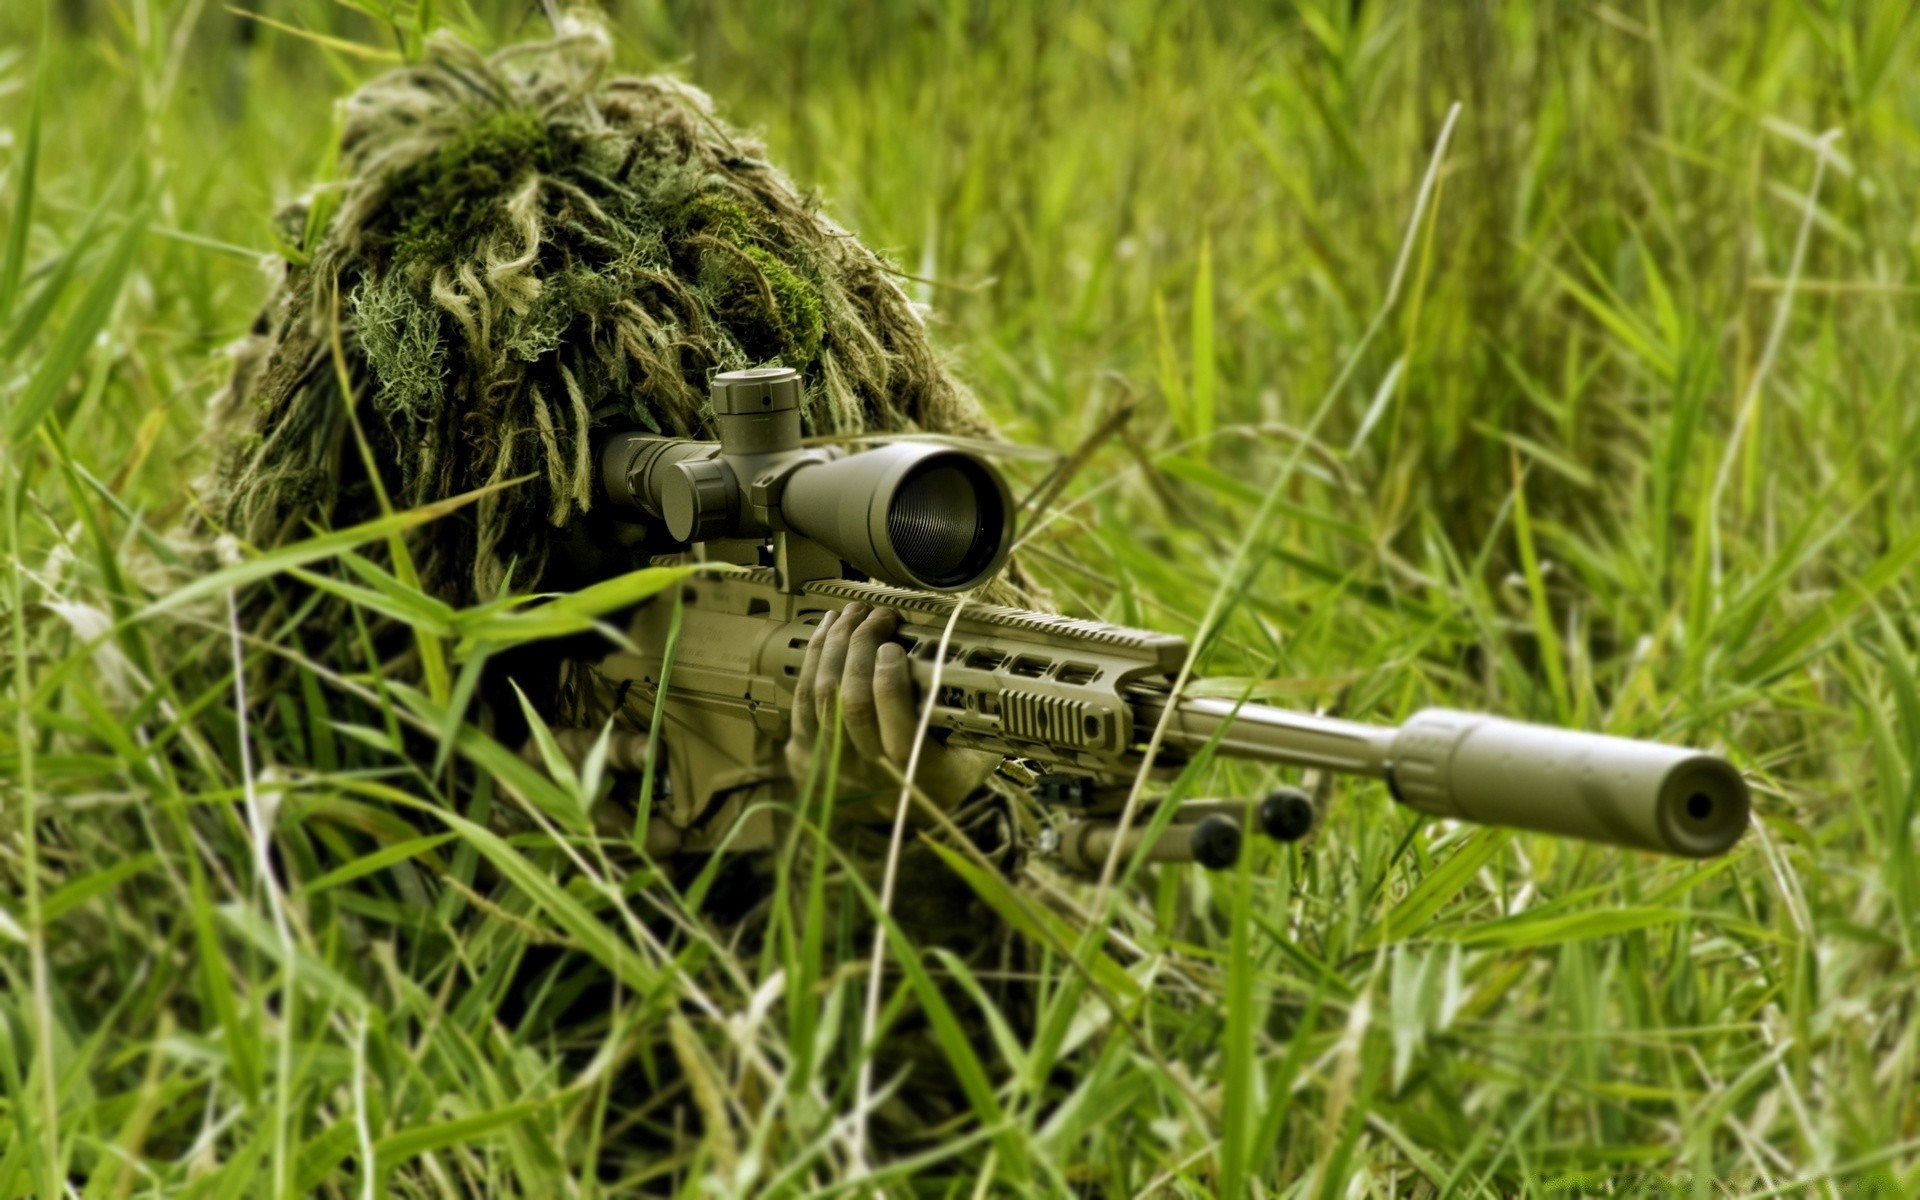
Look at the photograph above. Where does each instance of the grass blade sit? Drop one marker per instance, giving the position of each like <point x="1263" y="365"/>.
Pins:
<point x="568" y="612"/>
<point x="69" y="350"/>
<point x="15" y="260"/>
<point x="314" y="549"/>
<point x="1202" y="347"/>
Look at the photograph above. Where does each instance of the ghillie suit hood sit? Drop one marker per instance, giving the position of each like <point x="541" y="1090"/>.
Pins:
<point x="518" y="252"/>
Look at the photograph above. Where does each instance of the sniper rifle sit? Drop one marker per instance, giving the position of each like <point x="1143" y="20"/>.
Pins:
<point x="909" y="526"/>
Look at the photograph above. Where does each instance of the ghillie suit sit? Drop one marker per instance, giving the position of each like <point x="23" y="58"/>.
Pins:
<point x="519" y="253"/>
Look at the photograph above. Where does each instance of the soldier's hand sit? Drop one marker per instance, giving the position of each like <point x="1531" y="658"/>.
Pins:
<point x="853" y="664"/>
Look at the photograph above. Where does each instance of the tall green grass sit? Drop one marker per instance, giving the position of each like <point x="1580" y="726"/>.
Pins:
<point x="1632" y="446"/>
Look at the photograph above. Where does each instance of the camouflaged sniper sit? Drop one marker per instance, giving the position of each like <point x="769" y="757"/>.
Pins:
<point x="513" y="254"/>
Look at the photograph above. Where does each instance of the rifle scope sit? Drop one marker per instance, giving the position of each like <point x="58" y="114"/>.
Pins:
<point x="910" y="514"/>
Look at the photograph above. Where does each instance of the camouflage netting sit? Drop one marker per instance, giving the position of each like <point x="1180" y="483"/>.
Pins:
<point x="521" y="251"/>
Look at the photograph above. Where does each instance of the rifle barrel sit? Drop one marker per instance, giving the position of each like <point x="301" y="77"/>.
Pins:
<point x="1264" y="734"/>
<point x="1491" y="771"/>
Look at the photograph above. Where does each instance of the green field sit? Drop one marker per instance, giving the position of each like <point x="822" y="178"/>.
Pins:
<point x="1594" y="403"/>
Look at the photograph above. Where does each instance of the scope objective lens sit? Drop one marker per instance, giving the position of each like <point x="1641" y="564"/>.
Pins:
<point x="945" y="520"/>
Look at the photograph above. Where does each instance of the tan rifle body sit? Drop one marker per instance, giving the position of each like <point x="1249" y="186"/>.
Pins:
<point x="1083" y="698"/>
